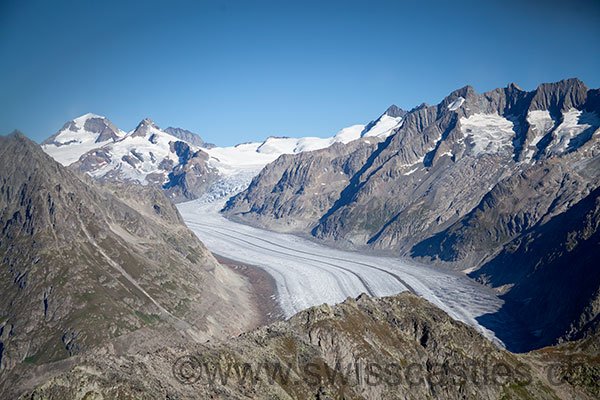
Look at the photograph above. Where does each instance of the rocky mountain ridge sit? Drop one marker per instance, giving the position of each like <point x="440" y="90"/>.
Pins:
<point x="398" y="347"/>
<point x="85" y="263"/>
<point x="453" y="185"/>
<point x="478" y="139"/>
<point x="189" y="136"/>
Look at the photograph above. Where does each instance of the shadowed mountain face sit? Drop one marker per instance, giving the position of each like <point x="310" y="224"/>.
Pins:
<point x="551" y="276"/>
<point x="84" y="263"/>
<point x="455" y="184"/>
<point x="399" y="347"/>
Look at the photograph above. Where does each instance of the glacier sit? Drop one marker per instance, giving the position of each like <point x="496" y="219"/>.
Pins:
<point x="308" y="273"/>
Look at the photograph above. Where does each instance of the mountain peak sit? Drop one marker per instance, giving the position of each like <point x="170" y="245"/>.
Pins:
<point x="465" y="92"/>
<point x="85" y="128"/>
<point x="89" y="116"/>
<point x="514" y="86"/>
<point x="16" y="145"/>
<point x="395" y="111"/>
<point x="560" y="96"/>
<point x="17" y="138"/>
<point x="16" y="134"/>
<point x="563" y="84"/>
<point x="144" y="127"/>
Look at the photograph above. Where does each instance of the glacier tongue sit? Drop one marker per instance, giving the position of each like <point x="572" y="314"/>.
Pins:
<point x="308" y="274"/>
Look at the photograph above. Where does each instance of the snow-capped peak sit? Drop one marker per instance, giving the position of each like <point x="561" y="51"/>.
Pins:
<point x="145" y="127"/>
<point x="80" y="135"/>
<point x="87" y="116"/>
<point x="385" y="125"/>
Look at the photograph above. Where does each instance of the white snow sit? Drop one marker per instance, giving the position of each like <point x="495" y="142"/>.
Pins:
<point x="574" y="123"/>
<point x="308" y="274"/>
<point x="455" y="105"/>
<point x="68" y="154"/>
<point x="254" y="156"/>
<point x="75" y="142"/>
<point x="349" y="134"/>
<point x="384" y="127"/>
<point x="488" y="133"/>
<point x="541" y="123"/>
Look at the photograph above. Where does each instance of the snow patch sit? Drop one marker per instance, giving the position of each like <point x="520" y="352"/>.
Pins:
<point x="384" y="127"/>
<point x="488" y="134"/>
<point x="68" y="154"/>
<point x="455" y="105"/>
<point x="541" y="123"/>
<point x="574" y="123"/>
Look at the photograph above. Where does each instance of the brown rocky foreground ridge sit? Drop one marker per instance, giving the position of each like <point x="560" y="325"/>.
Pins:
<point x="398" y="347"/>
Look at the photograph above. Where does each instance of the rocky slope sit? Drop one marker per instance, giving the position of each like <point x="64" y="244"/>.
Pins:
<point x="550" y="274"/>
<point x="399" y="347"/>
<point x="85" y="263"/>
<point x="455" y="184"/>
<point x="188" y="136"/>
<point x="436" y="167"/>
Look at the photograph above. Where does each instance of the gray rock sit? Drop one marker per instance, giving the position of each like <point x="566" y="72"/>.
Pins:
<point x="189" y="137"/>
<point x="84" y="263"/>
<point x="430" y="192"/>
<point x="398" y="347"/>
<point x="144" y="127"/>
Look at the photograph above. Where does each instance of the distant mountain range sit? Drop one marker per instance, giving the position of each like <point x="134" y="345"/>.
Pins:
<point x="177" y="160"/>
<point x="479" y="180"/>
<point x="147" y="155"/>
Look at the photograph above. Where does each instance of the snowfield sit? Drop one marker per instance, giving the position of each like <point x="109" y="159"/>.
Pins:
<point x="308" y="274"/>
<point x="488" y="134"/>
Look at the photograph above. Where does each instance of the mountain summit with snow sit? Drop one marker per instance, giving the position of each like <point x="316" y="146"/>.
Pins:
<point x="146" y="155"/>
<point x="79" y="136"/>
<point x="177" y="160"/>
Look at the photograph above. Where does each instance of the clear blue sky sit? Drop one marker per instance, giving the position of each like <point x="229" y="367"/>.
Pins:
<point x="238" y="71"/>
